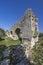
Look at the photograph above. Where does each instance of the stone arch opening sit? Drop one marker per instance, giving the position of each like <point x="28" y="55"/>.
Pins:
<point x="11" y="32"/>
<point x="18" y="32"/>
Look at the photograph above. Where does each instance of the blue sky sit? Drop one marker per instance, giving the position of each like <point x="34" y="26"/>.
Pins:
<point x="12" y="10"/>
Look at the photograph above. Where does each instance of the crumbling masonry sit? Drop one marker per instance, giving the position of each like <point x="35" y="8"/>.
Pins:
<point x="26" y="29"/>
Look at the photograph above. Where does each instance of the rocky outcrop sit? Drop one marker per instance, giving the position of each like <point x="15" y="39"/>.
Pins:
<point x="13" y="55"/>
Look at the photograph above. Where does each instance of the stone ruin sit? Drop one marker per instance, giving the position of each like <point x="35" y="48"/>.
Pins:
<point x="26" y="29"/>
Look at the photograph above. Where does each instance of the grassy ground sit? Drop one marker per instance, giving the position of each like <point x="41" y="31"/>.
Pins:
<point x="8" y="41"/>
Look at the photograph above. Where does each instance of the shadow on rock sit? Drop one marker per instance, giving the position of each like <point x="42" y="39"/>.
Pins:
<point x="13" y="55"/>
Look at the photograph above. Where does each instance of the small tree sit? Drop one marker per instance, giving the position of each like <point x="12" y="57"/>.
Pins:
<point x="2" y="33"/>
<point x="40" y="34"/>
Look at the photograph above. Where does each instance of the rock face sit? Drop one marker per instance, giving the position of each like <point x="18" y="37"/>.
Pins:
<point x="13" y="55"/>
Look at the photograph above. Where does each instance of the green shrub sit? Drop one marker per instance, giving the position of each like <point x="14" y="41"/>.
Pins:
<point x="2" y="33"/>
<point x="38" y="54"/>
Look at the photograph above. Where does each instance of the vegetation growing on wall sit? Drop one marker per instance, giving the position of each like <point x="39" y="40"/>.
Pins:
<point x="38" y="51"/>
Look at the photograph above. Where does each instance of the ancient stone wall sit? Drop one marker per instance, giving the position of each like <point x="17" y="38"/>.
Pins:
<point x="28" y="26"/>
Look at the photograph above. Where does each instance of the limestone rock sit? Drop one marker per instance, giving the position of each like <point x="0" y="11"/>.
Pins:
<point x="5" y="62"/>
<point x="13" y="55"/>
<point x="6" y="52"/>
